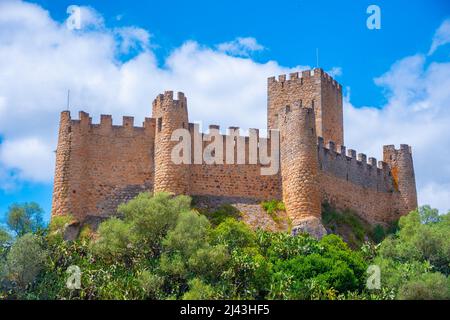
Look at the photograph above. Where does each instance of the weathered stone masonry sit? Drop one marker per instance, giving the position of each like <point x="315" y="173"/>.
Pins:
<point x="99" y="166"/>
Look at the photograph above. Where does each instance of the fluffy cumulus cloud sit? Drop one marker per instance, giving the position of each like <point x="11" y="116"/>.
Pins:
<point x="240" y="46"/>
<point x="115" y="71"/>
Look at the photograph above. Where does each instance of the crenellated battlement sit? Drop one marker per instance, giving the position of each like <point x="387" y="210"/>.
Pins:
<point x="304" y="76"/>
<point x="354" y="167"/>
<point x="167" y="99"/>
<point x="342" y="151"/>
<point x="404" y="148"/>
<point x="251" y="149"/>
<point x="105" y="127"/>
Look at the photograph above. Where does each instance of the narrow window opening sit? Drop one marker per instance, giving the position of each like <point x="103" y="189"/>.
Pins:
<point x="159" y="124"/>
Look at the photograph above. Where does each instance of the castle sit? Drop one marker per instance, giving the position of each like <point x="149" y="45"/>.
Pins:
<point x="99" y="166"/>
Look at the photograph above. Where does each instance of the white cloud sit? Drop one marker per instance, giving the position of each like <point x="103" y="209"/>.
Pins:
<point x="441" y="37"/>
<point x="417" y="113"/>
<point x="437" y="194"/>
<point x="90" y="18"/>
<point x="132" y="38"/>
<point x="33" y="156"/>
<point x="335" y="72"/>
<point x="243" y="47"/>
<point x="41" y="59"/>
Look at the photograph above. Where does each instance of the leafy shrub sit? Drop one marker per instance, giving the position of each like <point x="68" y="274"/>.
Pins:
<point x="272" y="207"/>
<point x="378" y="233"/>
<point x="233" y="234"/>
<point x="115" y="240"/>
<point x="249" y="274"/>
<point x="209" y="262"/>
<point x="5" y="241"/>
<point x="152" y="284"/>
<point x="151" y="217"/>
<point x="429" y="286"/>
<point x="283" y="246"/>
<point x="161" y="249"/>
<point x="189" y="234"/>
<point x="199" y="290"/>
<point x="419" y="241"/>
<point x="222" y="213"/>
<point x="25" y="259"/>
<point x="57" y="227"/>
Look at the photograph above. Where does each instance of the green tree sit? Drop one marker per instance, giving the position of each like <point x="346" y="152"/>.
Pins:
<point x="5" y="241"/>
<point x="24" y="218"/>
<point x="181" y="243"/>
<point x="115" y="240"/>
<point x="26" y="259"/>
<point x="423" y="238"/>
<point x="152" y="284"/>
<point x="189" y="234"/>
<point x="429" y="286"/>
<point x="151" y="217"/>
<point x="198" y="290"/>
<point x="233" y="234"/>
<point x="429" y="215"/>
<point x="209" y="262"/>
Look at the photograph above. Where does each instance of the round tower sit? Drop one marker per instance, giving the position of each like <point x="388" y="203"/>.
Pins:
<point x="299" y="169"/>
<point x="170" y="115"/>
<point x="402" y="170"/>
<point x="60" y="201"/>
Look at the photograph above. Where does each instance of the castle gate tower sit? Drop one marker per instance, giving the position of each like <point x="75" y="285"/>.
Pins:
<point x="170" y="115"/>
<point x="312" y="88"/>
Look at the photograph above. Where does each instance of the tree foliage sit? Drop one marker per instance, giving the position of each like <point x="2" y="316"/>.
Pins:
<point x="25" y="218"/>
<point x="25" y="260"/>
<point x="157" y="247"/>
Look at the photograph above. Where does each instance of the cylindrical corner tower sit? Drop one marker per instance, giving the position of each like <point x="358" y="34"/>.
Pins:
<point x="170" y="115"/>
<point x="299" y="168"/>
<point x="60" y="201"/>
<point x="402" y="169"/>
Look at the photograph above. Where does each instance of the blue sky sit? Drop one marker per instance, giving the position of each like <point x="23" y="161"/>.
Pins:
<point x="169" y="37"/>
<point x="290" y="30"/>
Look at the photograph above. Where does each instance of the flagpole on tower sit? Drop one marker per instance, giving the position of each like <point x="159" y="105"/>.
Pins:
<point x="317" y="57"/>
<point x="68" y="99"/>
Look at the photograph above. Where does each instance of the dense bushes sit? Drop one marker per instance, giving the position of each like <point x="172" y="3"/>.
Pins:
<point x="416" y="261"/>
<point x="161" y="249"/>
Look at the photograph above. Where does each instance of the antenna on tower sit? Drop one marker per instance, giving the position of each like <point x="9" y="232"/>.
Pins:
<point x="317" y="57"/>
<point x="68" y="99"/>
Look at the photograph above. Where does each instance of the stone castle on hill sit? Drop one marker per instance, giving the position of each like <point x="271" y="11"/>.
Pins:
<point x="99" y="166"/>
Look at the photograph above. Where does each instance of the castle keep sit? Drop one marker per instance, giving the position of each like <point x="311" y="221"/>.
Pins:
<point x="99" y="166"/>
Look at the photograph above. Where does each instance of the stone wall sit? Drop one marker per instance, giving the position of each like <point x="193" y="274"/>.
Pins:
<point x="94" y="161"/>
<point x="243" y="178"/>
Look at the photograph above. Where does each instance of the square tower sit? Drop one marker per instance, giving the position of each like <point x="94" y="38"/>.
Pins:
<point x="312" y="89"/>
